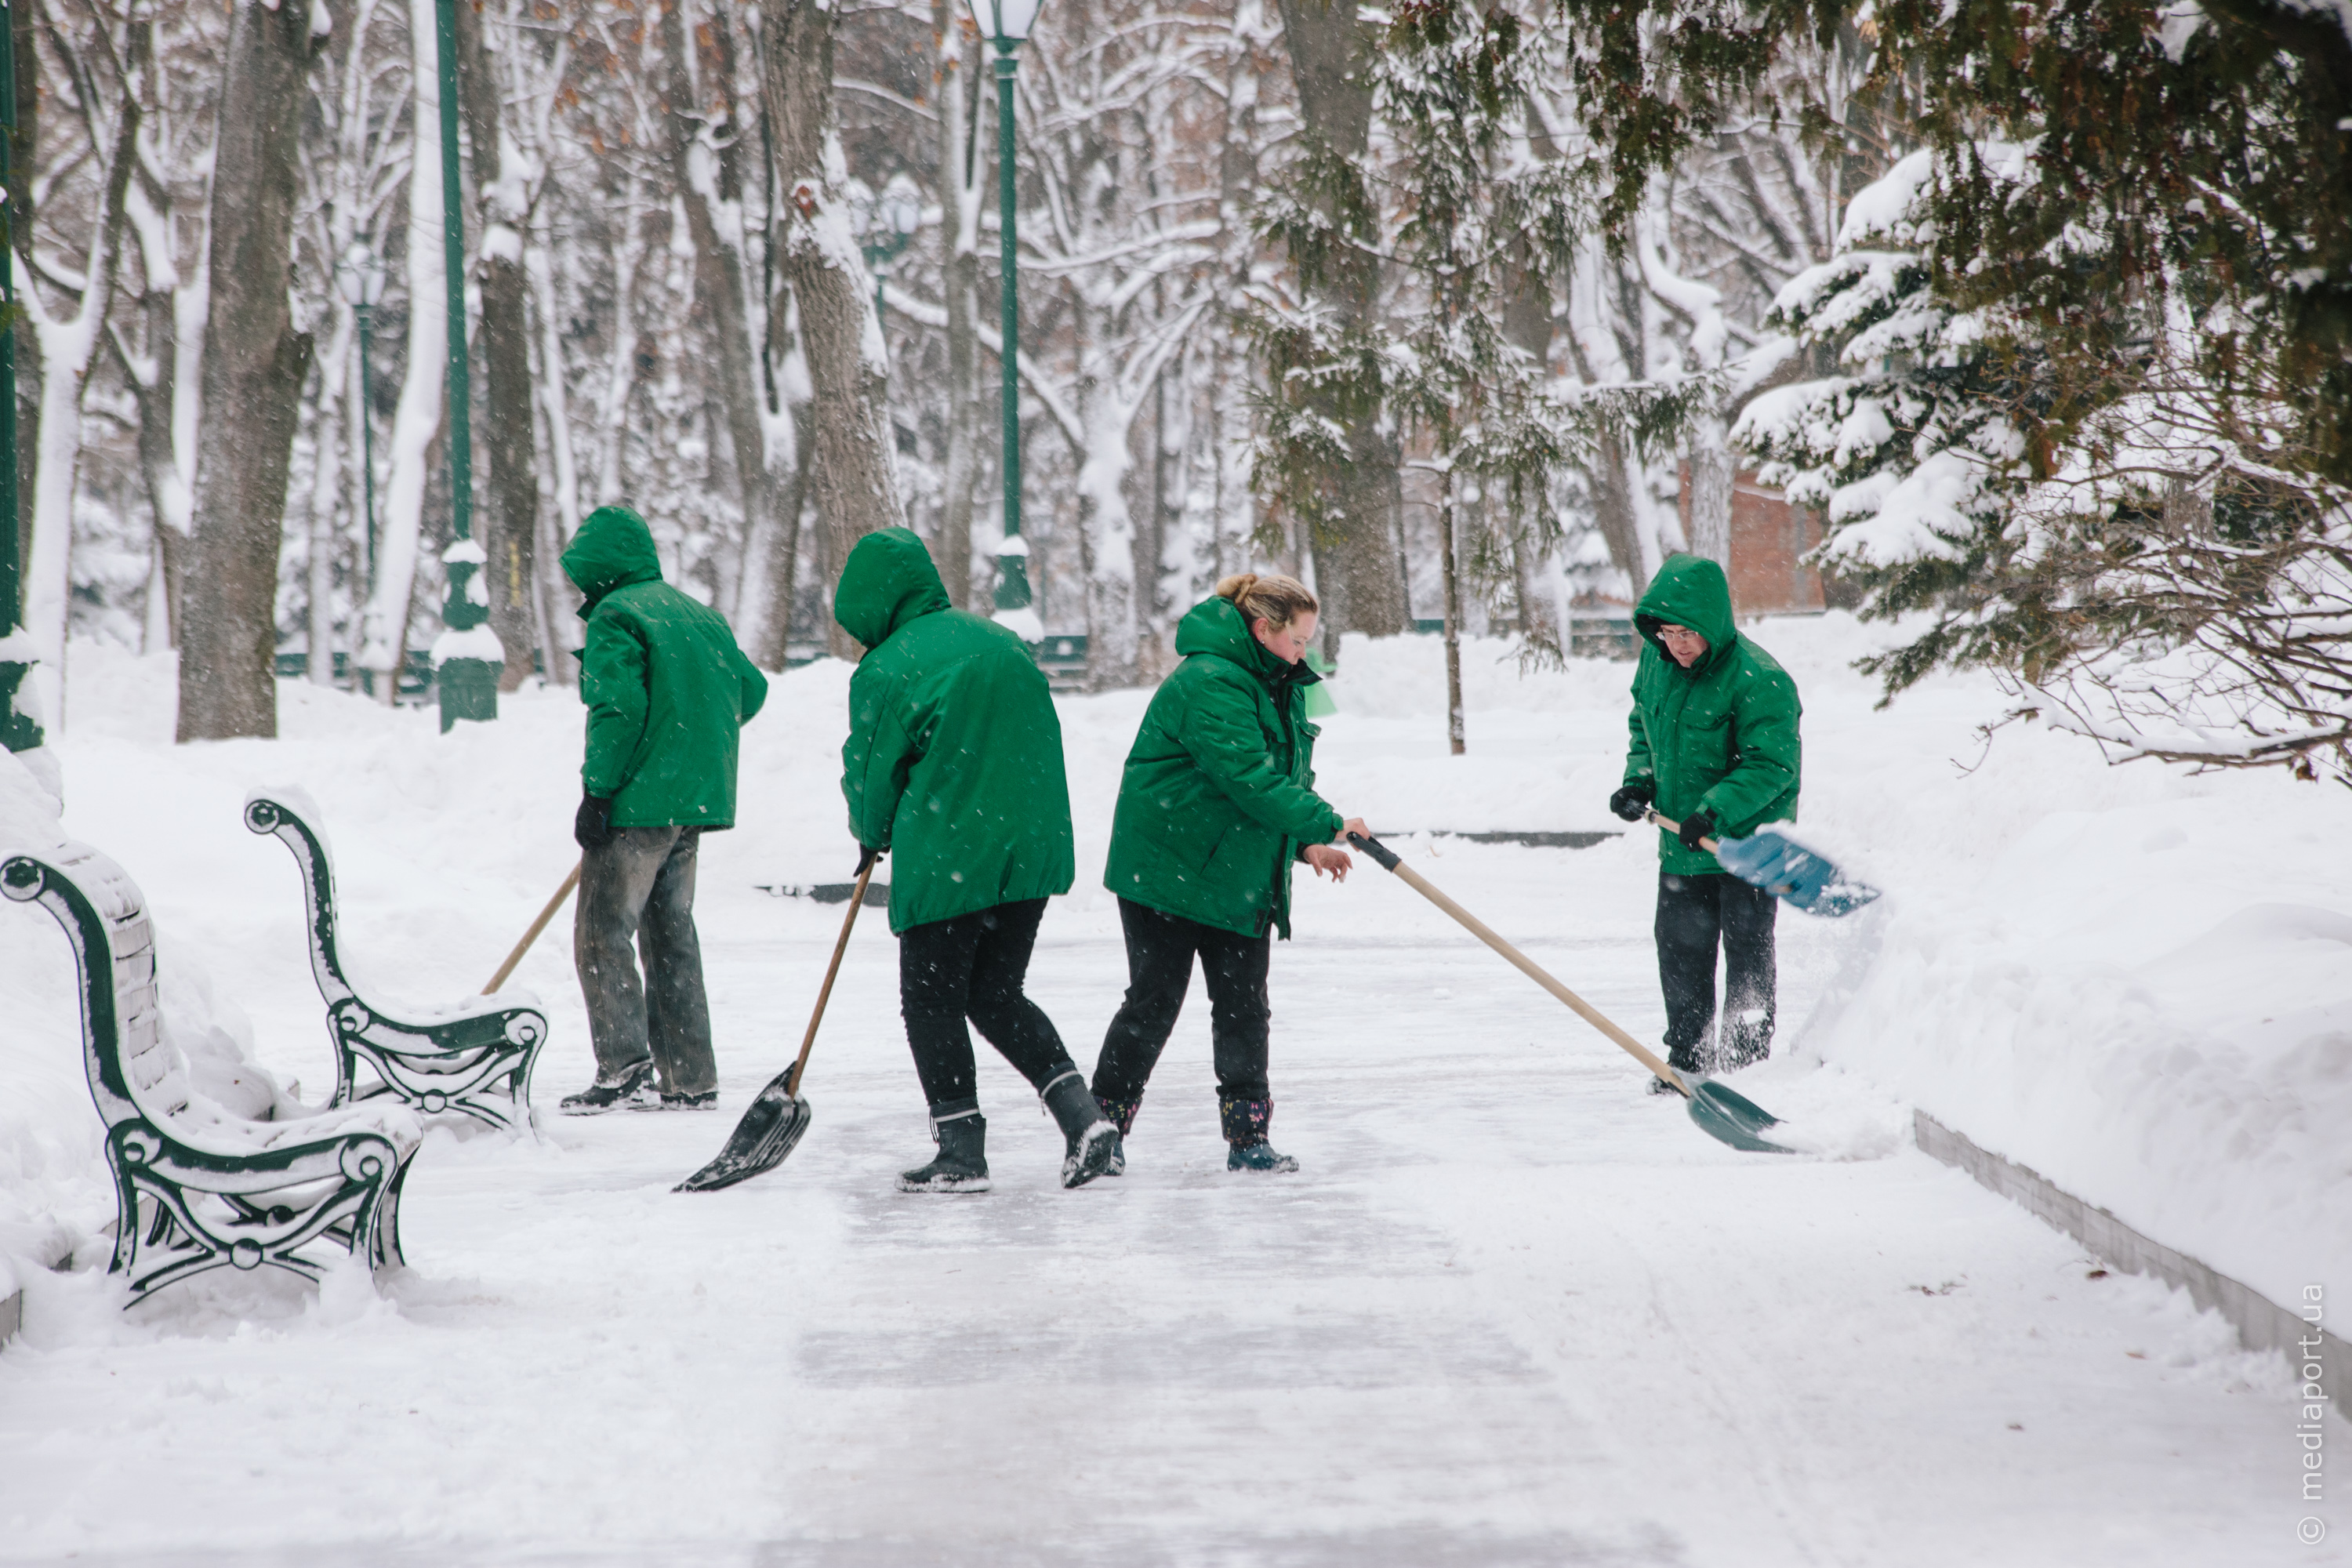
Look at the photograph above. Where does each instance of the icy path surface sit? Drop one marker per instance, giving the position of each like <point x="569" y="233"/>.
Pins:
<point x="1512" y="1312"/>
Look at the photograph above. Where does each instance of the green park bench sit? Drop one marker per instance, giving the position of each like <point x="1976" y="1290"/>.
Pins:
<point x="472" y="1059"/>
<point x="198" y="1186"/>
<point x="1063" y="658"/>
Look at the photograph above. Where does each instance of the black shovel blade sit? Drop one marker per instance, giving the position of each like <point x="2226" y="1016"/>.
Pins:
<point x="760" y="1141"/>
<point x="1730" y="1117"/>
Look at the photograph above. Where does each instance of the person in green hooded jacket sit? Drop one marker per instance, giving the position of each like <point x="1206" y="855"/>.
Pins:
<point x="1216" y="804"/>
<point x="1714" y="746"/>
<point x="953" y="767"/>
<point x="668" y="692"/>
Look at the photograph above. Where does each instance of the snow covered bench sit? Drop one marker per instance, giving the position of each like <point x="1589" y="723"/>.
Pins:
<point x="198" y="1186"/>
<point x="473" y="1058"/>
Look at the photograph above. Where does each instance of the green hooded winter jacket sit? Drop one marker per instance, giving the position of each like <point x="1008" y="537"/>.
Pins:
<point x="954" y="758"/>
<point x="666" y="688"/>
<point x="1218" y="795"/>
<point x="1721" y="735"/>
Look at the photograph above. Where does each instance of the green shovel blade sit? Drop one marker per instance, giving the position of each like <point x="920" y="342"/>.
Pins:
<point x="1730" y="1117"/>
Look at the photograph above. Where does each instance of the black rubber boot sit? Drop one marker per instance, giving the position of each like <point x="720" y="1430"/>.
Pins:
<point x="635" y="1090"/>
<point x="1120" y="1113"/>
<point x="962" y="1164"/>
<point x="1246" y="1122"/>
<point x="1091" y="1138"/>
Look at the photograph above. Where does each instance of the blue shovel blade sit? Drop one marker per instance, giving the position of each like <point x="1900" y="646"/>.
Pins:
<point x="1788" y="870"/>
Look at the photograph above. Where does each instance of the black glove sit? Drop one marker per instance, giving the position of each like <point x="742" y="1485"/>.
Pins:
<point x="1698" y="825"/>
<point x="1633" y="800"/>
<point x="867" y="857"/>
<point x="592" y="824"/>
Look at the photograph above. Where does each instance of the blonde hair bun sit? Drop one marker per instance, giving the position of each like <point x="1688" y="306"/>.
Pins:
<point x="1273" y="598"/>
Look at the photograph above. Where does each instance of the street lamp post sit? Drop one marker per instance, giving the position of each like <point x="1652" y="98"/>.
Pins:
<point x="20" y="724"/>
<point x="892" y="227"/>
<point x="467" y="655"/>
<point x="361" y="276"/>
<point x="1006" y="23"/>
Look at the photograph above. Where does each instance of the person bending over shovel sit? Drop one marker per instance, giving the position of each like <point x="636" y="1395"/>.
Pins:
<point x="1216" y="803"/>
<point x="953" y="767"/>
<point x="1714" y="745"/>
<point x="668" y="690"/>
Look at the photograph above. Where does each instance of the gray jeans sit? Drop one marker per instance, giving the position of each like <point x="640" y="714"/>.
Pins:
<point x="640" y="888"/>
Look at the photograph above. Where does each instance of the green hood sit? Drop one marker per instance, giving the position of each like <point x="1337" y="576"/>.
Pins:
<point x="1215" y="625"/>
<point x="888" y="581"/>
<point x="612" y="549"/>
<point x="1689" y="591"/>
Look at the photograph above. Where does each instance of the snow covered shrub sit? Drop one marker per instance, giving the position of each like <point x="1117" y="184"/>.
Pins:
<point x="2141" y="541"/>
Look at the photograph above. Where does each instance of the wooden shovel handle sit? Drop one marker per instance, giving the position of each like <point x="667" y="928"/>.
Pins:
<point x="808" y="1041"/>
<point x="1671" y="825"/>
<point x="531" y="935"/>
<point x="1520" y="961"/>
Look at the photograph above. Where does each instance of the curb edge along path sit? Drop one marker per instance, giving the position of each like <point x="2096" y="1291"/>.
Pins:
<point x="2262" y="1323"/>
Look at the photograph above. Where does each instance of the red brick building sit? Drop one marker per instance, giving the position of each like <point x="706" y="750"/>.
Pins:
<point x="1768" y="540"/>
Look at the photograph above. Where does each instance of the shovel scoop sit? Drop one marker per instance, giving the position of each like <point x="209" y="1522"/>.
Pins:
<point x="778" y="1116"/>
<point x="1801" y="878"/>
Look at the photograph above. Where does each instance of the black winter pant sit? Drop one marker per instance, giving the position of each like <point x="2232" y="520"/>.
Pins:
<point x="974" y="966"/>
<point x="1694" y="914"/>
<point x="1160" y="950"/>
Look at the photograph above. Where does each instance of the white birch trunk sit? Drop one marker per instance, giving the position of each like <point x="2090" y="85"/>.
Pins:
<point x="384" y="634"/>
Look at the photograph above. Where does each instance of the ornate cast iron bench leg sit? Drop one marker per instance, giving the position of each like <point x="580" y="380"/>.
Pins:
<point x="474" y="1061"/>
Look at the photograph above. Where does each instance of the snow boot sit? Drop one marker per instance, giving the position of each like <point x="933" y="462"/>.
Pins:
<point x="1092" y="1139"/>
<point x="1244" y="1123"/>
<point x="1120" y="1113"/>
<point x="635" y="1088"/>
<point x="962" y="1164"/>
<point x="706" y="1101"/>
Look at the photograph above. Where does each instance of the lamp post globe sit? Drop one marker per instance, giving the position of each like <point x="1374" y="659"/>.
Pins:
<point x="1006" y="23"/>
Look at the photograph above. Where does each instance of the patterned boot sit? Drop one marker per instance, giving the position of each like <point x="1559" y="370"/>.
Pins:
<point x="1120" y="1113"/>
<point x="1244" y="1123"/>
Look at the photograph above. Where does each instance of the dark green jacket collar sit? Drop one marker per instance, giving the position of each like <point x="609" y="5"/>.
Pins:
<point x="1215" y="625"/>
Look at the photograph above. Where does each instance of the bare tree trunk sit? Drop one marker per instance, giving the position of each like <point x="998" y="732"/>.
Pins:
<point x="254" y="366"/>
<point x="959" y="96"/>
<point x="1527" y="325"/>
<point x="1454" y="730"/>
<point x="784" y="565"/>
<point x="718" y="274"/>
<point x="21" y="149"/>
<point x="511" y="522"/>
<point x="852" y="468"/>
<point x="1710" y="489"/>
<point x="1355" y="558"/>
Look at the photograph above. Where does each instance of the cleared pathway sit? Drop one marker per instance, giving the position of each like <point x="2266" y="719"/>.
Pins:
<point x="1513" y="1312"/>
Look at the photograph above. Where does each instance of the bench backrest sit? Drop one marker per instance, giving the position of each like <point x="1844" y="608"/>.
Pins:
<point x="133" y="1071"/>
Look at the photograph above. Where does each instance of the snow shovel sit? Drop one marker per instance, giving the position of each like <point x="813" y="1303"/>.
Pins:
<point x="1771" y="860"/>
<point x="1721" y="1114"/>
<point x="778" y="1116"/>
<point x="531" y="935"/>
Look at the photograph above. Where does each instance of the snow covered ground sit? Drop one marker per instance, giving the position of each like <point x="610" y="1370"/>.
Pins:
<point x="1512" y="1312"/>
